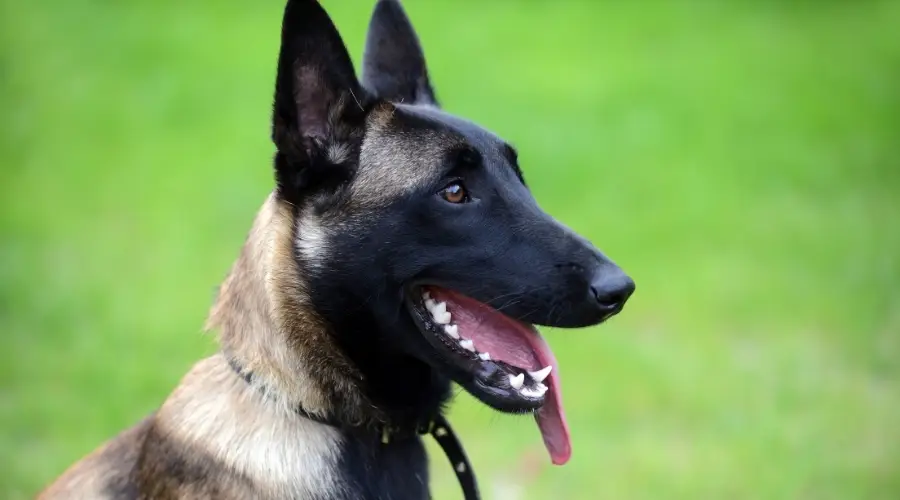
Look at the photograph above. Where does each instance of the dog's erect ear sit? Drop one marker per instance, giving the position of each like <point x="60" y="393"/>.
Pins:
<point x="394" y="64"/>
<point x="319" y="104"/>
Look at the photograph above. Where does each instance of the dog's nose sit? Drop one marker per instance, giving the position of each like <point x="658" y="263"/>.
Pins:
<point x="611" y="289"/>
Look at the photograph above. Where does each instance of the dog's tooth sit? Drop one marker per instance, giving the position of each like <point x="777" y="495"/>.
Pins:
<point x="441" y="319"/>
<point x="484" y="356"/>
<point x="517" y="381"/>
<point x="533" y="393"/>
<point x="429" y="304"/>
<point x="440" y="314"/>
<point x="541" y="374"/>
<point x="426" y="295"/>
<point x="452" y="330"/>
<point x="467" y="345"/>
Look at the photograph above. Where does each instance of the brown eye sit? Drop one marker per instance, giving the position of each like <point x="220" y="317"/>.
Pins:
<point x="455" y="193"/>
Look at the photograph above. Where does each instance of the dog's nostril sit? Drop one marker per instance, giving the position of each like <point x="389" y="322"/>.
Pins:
<point x="611" y="292"/>
<point x="610" y="301"/>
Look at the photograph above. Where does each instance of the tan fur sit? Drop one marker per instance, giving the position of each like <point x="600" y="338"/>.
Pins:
<point x="247" y="313"/>
<point x="312" y="239"/>
<point x="250" y="433"/>
<point x="397" y="162"/>
<point x="92" y="476"/>
<point x="242" y="440"/>
<point x="338" y="153"/>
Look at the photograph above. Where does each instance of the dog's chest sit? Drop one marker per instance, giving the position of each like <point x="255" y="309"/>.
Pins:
<point x="369" y="469"/>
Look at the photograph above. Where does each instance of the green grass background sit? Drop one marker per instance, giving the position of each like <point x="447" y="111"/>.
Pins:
<point x="740" y="159"/>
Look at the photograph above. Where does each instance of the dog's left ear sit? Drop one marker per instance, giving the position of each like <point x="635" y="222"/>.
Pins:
<point x="394" y="63"/>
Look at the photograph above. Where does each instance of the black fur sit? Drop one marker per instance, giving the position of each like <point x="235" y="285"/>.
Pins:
<point x="373" y="470"/>
<point x="317" y="101"/>
<point x="501" y="249"/>
<point x="394" y="65"/>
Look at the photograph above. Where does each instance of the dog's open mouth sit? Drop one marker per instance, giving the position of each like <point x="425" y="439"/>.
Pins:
<point x="512" y="367"/>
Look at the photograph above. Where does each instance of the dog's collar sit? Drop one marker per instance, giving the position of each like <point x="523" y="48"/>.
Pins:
<point x="438" y="427"/>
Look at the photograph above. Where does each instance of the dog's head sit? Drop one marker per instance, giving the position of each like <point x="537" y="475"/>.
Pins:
<point x="418" y="239"/>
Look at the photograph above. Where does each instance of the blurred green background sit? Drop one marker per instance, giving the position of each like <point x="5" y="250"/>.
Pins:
<point x="740" y="159"/>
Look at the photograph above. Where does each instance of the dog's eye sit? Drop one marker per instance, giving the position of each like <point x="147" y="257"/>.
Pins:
<point x="455" y="192"/>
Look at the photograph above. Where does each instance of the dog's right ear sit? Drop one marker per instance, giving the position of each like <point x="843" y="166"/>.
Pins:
<point x="319" y="104"/>
<point x="394" y="63"/>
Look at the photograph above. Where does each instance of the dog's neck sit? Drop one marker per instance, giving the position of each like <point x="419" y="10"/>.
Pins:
<point x="267" y="326"/>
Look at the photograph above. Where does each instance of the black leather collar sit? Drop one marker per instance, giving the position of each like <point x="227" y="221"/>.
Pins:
<point x="438" y="427"/>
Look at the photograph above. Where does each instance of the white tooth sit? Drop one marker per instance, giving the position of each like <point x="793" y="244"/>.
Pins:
<point x="441" y="319"/>
<point x="440" y="314"/>
<point x="429" y="304"/>
<point x="541" y="374"/>
<point x="426" y="295"/>
<point x="485" y="356"/>
<point x="452" y="330"/>
<point x="467" y="345"/>
<point x="533" y="393"/>
<point x="517" y="381"/>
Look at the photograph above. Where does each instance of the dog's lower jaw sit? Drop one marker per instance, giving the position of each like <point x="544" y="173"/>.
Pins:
<point x="500" y="385"/>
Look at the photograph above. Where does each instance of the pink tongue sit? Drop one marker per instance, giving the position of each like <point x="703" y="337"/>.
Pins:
<point x="519" y="345"/>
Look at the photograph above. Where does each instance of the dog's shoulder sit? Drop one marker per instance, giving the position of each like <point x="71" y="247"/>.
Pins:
<point x="105" y="473"/>
<point x="218" y="436"/>
<point x="214" y="437"/>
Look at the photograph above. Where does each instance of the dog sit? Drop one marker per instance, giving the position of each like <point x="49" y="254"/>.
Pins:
<point x="400" y="251"/>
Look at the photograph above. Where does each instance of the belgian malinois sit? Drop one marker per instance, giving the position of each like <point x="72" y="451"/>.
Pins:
<point x="400" y="251"/>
